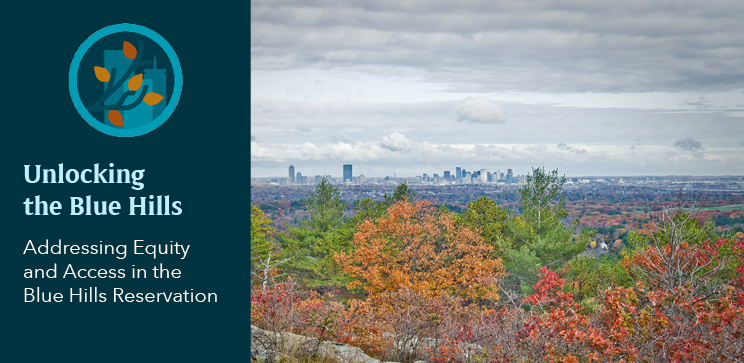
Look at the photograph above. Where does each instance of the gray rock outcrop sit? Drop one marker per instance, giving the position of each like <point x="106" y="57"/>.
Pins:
<point x="269" y="347"/>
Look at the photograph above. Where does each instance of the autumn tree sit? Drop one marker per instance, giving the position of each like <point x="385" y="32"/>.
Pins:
<point x="338" y="239"/>
<point x="266" y="257"/>
<point x="260" y="230"/>
<point x="671" y="257"/>
<point x="486" y="218"/>
<point x="415" y="246"/>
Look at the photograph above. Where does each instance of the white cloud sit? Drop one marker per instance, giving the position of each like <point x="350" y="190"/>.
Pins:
<point x="398" y="153"/>
<point x="481" y="110"/>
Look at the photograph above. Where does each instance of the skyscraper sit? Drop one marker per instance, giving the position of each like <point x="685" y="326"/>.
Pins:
<point x="509" y="176"/>
<point x="347" y="173"/>
<point x="458" y="173"/>
<point x="446" y="175"/>
<point x="299" y="178"/>
<point x="291" y="174"/>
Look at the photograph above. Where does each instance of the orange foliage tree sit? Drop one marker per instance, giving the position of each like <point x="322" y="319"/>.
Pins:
<point x="417" y="247"/>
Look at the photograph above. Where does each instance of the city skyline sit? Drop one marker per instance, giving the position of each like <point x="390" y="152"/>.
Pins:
<point x="502" y="175"/>
<point x="650" y="88"/>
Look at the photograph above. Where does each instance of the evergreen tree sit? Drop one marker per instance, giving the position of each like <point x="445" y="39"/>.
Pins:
<point x="325" y="207"/>
<point x="306" y="243"/>
<point x="540" y="235"/>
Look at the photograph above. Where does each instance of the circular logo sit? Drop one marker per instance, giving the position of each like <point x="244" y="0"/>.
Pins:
<point x="125" y="80"/>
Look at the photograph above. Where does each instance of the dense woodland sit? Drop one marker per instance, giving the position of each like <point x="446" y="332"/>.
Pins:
<point x="406" y="279"/>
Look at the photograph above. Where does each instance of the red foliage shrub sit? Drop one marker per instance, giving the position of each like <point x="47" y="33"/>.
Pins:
<point x="687" y="306"/>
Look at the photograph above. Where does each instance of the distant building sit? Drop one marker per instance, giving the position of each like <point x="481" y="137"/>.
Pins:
<point x="299" y="180"/>
<point x="362" y="179"/>
<point x="458" y="173"/>
<point x="291" y="174"/>
<point x="446" y="175"/>
<point x="595" y="249"/>
<point x="483" y="176"/>
<point x="347" y="173"/>
<point x="509" y="176"/>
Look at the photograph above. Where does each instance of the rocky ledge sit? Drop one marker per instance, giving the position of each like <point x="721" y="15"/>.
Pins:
<point x="271" y="347"/>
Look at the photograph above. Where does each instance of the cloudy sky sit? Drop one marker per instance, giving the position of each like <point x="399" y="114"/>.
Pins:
<point x="412" y="87"/>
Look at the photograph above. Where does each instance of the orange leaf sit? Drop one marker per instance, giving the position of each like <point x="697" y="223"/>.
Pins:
<point x="152" y="98"/>
<point x="115" y="117"/>
<point x="102" y="74"/>
<point x="135" y="82"/>
<point x="129" y="50"/>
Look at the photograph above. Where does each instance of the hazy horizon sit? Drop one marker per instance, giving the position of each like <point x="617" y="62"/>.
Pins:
<point x="340" y="174"/>
<point x="646" y="88"/>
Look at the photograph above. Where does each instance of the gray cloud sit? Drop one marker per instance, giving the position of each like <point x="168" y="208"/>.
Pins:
<point x="543" y="46"/>
<point x="565" y="147"/>
<point x="504" y="50"/>
<point x="689" y="144"/>
<point x="636" y="143"/>
<point x="481" y="110"/>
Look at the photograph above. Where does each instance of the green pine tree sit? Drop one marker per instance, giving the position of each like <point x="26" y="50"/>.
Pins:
<point x="540" y="235"/>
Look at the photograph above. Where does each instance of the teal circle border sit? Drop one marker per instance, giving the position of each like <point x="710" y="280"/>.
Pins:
<point x="177" y="80"/>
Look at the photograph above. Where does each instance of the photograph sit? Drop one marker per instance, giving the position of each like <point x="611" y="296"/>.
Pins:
<point x="487" y="181"/>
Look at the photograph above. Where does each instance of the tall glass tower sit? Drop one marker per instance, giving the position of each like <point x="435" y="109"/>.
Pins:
<point x="291" y="174"/>
<point x="347" y="173"/>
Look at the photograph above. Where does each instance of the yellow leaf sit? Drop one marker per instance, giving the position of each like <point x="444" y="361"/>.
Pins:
<point x="135" y="82"/>
<point x="102" y="74"/>
<point x="115" y="117"/>
<point x="152" y="98"/>
<point x="129" y="50"/>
